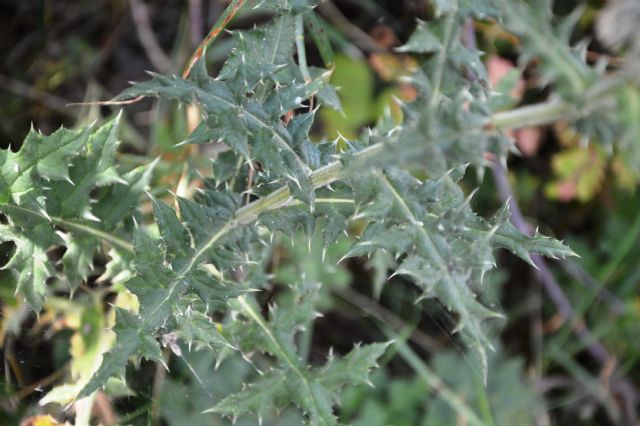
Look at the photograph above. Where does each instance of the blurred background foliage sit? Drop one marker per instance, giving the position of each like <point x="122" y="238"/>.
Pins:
<point x="58" y="52"/>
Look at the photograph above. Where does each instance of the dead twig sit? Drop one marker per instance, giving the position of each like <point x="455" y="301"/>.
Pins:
<point x="222" y="22"/>
<point x="25" y="90"/>
<point x="380" y="313"/>
<point x="360" y="38"/>
<point x="159" y="59"/>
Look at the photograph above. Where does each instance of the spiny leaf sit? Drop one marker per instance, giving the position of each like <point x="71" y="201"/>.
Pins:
<point x="129" y="341"/>
<point x="446" y="246"/>
<point x="115" y="204"/>
<point x="197" y="327"/>
<point x="314" y="390"/>
<point x="210" y="253"/>
<point x="93" y="168"/>
<point x="521" y="245"/>
<point x="173" y="232"/>
<point x="48" y="202"/>
<point x="265" y="395"/>
<point x="244" y="105"/>
<point x="353" y="368"/>
<point x="289" y="219"/>
<point x="561" y="64"/>
<point x="40" y="158"/>
<point x="30" y="260"/>
<point x="157" y="290"/>
<point x="78" y="258"/>
<point x="298" y="217"/>
<point x="320" y="38"/>
<point x="423" y="40"/>
<point x="167" y="273"/>
<point x="262" y="52"/>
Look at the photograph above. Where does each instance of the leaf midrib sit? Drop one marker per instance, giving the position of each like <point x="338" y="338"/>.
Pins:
<point x="83" y="227"/>
<point x="35" y="161"/>
<point x="433" y="253"/>
<point x="281" y="141"/>
<point x="282" y="354"/>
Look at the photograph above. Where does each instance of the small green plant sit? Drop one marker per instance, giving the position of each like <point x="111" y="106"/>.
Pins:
<point x="197" y="271"/>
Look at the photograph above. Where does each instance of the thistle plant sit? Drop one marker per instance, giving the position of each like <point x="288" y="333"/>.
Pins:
<point x="197" y="271"/>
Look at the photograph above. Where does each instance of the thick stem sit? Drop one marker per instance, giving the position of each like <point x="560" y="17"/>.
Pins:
<point x="319" y="178"/>
<point x="538" y="114"/>
<point x="556" y="109"/>
<point x="533" y="115"/>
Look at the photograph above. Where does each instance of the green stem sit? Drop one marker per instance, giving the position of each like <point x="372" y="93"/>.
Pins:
<point x="319" y="178"/>
<point x="302" y="54"/>
<point x="283" y="355"/>
<point x="305" y="342"/>
<point x="533" y="115"/>
<point x="483" y="403"/>
<point x="433" y="380"/>
<point x="556" y="109"/>
<point x="442" y="60"/>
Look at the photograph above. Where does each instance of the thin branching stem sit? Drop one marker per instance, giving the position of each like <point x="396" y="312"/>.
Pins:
<point x="284" y="356"/>
<point x="83" y="227"/>
<point x="433" y="380"/>
<point x="226" y="17"/>
<point x="538" y="114"/>
<point x="442" y="60"/>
